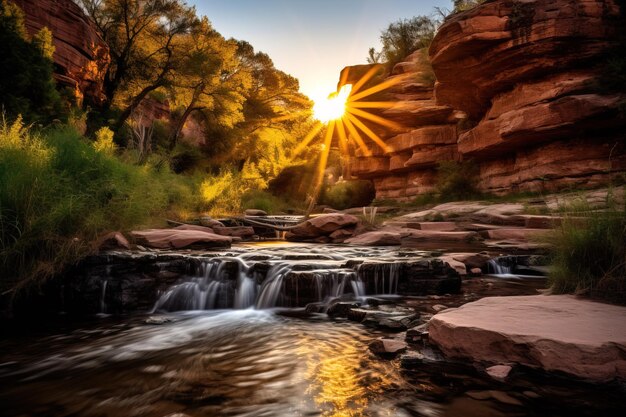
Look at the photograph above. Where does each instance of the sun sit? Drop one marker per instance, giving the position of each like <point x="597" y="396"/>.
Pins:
<point x="333" y="107"/>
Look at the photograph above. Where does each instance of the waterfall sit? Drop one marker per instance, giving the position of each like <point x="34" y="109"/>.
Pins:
<point x="230" y="282"/>
<point x="103" y="305"/>
<point x="494" y="266"/>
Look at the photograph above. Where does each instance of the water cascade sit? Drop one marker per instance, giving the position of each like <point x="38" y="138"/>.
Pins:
<point x="264" y="280"/>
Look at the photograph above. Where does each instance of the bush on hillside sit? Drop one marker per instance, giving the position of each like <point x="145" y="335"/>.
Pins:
<point x="347" y="194"/>
<point x="589" y="255"/>
<point x="59" y="194"/>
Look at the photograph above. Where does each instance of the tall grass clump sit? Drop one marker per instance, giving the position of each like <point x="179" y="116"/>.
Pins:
<point x="60" y="193"/>
<point x="589" y="254"/>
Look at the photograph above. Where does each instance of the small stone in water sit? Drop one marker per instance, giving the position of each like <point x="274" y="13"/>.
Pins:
<point x="387" y="346"/>
<point x="341" y="309"/>
<point x="411" y="359"/>
<point x="504" y="398"/>
<point x="439" y="307"/>
<point x="315" y="308"/>
<point x="158" y="320"/>
<point x="499" y="372"/>
<point x="417" y="334"/>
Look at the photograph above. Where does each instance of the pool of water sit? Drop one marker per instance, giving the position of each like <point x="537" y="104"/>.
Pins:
<point x="259" y="363"/>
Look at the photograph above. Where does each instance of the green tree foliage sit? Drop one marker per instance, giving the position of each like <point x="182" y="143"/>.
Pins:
<point x="59" y="194"/>
<point x="210" y="79"/>
<point x="462" y="5"/>
<point x="26" y="83"/>
<point x="143" y="36"/>
<point x="403" y="37"/>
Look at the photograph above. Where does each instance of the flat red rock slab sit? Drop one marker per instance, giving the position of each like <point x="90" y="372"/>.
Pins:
<point x="556" y="333"/>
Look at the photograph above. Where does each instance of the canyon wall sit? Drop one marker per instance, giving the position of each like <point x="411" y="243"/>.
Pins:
<point x="524" y="79"/>
<point x="81" y="57"/>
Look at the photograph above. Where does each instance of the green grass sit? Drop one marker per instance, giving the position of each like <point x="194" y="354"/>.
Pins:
<point x="589" y="254"/>
<point x="59" y="194"/>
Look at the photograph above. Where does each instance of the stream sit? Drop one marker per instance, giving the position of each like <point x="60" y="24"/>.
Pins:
<point x="220" y="343"/>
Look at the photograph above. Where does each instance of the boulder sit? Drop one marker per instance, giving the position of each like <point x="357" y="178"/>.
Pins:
<point x="560" y="333"/>
<point x="194" y="227"/>
<point x="178" y="239"/>
<point x="322" y="225"/>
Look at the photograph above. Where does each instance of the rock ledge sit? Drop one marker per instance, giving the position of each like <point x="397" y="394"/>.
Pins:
<point x="560" y="333"/>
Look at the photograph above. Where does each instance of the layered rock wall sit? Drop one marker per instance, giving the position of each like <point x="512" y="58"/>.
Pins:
<point x="81" y="57"/>
<point x="407" y="166"/>
<point x="527" y="76"/>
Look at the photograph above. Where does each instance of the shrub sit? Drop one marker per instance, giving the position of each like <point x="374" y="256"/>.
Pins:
<point x="104" y="141"/>
<point x="456" y="180"/>
<point x="348" y="194"/>
<point x="59" y="194"/>
<point x="263" y="200"/>
<point x="589" y="254"/>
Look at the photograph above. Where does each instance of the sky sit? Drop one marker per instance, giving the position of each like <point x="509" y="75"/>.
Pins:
<point x="312" y="39"/>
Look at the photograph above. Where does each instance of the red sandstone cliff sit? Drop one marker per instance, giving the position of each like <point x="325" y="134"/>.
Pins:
<point x="81" y="56"/>
<point x="526" y="75"/>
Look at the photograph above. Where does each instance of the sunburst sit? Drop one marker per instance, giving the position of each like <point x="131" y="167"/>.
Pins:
<point x="344" y="114"/>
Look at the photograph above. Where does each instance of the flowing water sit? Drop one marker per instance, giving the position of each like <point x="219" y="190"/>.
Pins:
<point x="253" y="359"/>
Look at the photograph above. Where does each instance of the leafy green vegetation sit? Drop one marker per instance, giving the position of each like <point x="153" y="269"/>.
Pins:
<point x="60" y="193"/>
<point x="403" y="37"/>
<point x="346" y="194"/>
<point x="26" y="85"/>
<point x="457" y="180"/>
<point x="589" y="255"/>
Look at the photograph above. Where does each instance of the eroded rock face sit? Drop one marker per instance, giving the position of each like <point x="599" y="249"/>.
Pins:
<point x="555" y="333"/>
<point x="81" y="57"/>
<point x="427" y="134"/>
<point x="526" y="74"/>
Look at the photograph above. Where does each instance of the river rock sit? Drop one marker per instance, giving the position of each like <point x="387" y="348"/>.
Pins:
<point x="387" y="346"/>
<point x="210" y="222"/>
<point x="195" y="227"/>
<point x="235" y="231"/>
<point x="499" y="372"/>
<point x="322" y="226"/>
<point x="376" y="238"/>
<point x="561" y="333"/>
<point x="417" y="334"/>
<point x="178" y="239"/>
<point x="255" y="212"/>
<point x="113" y="240"/>
<point x="341" y="308"/>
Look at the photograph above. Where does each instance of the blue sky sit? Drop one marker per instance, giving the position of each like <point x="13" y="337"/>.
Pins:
<point x="313" y="39"/>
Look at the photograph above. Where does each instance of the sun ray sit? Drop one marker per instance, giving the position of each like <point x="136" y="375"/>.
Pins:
<point x="343" y="140"/>
<point x="376" y="119"/>
<point x="321" y="167"/>
<point x="308" y="138"/>
<point x="373" y="136"/>
<point x="372" y="104"/>
<point x="357" y="137"/>
<point x="378" y="87"/>
<point x="365" y="78"/>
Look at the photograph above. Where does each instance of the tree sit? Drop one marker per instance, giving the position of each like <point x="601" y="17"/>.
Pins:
<point x="209" y="78"/>
<point x="26" y="83"/>
<point x="142" y="36"/>
<point x="403" y="37"/>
